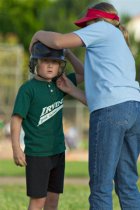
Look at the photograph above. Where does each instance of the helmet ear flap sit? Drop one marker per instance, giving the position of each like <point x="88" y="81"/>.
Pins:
<point x="61" y="71"/>
<point x="32" y="65"/>
<point x="63" y="65"/>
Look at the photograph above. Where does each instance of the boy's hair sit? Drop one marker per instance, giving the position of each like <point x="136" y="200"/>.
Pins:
<point x="106" y="7"/>
<point x="40" y="51"/>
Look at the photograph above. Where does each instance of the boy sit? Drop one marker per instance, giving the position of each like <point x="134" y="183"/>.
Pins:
<point x="38" y="109"/>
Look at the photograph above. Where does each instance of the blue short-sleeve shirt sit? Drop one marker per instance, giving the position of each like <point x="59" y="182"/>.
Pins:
<point x="109" y="66"/>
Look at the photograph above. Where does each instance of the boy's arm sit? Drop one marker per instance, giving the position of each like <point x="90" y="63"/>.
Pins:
<point x="77" y="65"/>
<point x="18" y="154"/>
<point x="64" y="84"/>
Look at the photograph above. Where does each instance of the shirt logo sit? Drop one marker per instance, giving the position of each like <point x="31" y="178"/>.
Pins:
<point x="50" y="111"/>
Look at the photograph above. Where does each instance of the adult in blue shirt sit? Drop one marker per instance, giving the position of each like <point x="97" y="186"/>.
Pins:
<point x="113" y="98"/>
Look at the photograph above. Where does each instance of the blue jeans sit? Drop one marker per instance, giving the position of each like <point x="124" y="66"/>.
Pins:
<point x="114" y="146"/>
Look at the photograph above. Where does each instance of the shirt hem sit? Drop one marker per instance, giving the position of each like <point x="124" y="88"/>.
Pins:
<point x="45" y="154"/>
<point x="111" y="104"/>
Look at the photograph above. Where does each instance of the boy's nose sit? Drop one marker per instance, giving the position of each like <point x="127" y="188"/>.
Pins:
<point x="50" y="63"/>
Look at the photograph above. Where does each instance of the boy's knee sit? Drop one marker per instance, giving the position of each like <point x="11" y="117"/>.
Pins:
<point x="52" y="201"/>
<point x="36" y="204"/>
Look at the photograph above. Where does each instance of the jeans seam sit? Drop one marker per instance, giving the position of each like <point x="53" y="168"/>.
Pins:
<point x="96" y="146"/>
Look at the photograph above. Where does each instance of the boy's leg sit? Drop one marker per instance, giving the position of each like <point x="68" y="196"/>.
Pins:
<point x="51" y="202"/>
<point x="44" y="178"/>
<point x="36" y="203"/>
<point x="56" y="182"/>
<point x="47" y="203"/>
<point x="37" y="177"/>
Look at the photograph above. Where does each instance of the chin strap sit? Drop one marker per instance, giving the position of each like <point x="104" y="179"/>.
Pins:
<point x="55" y="78"/>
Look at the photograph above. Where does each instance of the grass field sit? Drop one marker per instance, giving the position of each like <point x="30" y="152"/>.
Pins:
<point x="75" y="196"/>
<point x="73" y="169"/>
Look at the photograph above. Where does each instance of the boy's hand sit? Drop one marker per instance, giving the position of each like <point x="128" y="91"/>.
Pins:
<point x="19" y="157"/>
<point x="64" y="84"/>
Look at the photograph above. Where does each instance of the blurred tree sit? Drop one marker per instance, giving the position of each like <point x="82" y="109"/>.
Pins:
<point x="135" y="46"/>
<point x="20" y="19"/>
<point x="134" y="43"/>
<point x="23" y="18"/>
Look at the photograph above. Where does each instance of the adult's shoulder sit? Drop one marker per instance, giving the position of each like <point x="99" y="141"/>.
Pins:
<point x="102" y="25"/>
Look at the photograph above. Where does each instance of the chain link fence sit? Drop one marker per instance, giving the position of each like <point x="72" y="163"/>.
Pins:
<point x="11" y="66"/>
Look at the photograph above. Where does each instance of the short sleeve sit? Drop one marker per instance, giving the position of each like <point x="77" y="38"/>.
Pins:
<point x="72" y="77"/>
<point x="93" y="34"/>
<point x="22" y="102"/>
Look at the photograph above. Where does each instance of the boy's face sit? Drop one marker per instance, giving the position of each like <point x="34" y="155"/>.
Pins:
<point x="48" y="68"/>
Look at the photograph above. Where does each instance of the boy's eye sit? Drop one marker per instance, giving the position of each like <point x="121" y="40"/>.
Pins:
<point x="44" y="60"/>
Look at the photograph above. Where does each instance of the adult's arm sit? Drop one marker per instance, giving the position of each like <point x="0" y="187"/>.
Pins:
<point x="64" y="84"/>
<point x="77" y="65"/>
<point x="57" y="40"/>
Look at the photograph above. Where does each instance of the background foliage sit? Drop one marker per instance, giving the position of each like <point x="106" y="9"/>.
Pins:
<point x="20" y="19"/>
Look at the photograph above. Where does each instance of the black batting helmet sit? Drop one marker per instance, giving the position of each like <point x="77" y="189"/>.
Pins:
<point x="40" y="51"/>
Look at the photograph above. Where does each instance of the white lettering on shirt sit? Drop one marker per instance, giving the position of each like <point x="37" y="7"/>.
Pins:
<point x="50" y="111"/>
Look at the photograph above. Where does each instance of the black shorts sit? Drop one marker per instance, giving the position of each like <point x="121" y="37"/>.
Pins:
<point x="45" y="174"/>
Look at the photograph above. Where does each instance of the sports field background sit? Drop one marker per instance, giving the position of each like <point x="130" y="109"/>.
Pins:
<point x="76" y="191"/>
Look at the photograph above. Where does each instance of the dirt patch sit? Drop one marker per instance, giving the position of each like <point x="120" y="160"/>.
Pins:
<point x="5" y="149"/>
<point x="22" y="181"/>
<point x="71" y="155"/>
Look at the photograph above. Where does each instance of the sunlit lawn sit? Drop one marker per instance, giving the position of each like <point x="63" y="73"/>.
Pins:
<point x="75" y="196"/>
<point x="73" y="169"/>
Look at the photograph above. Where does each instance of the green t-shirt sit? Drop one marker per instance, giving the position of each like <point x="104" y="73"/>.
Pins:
<point x="40" y="104"/>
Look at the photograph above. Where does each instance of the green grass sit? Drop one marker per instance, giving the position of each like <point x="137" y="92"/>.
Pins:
<point x="73" y="169"/>
<point x="13" y="198"/>
<point x="75" y="197"/>
<point x="76" y="169"/>
<point x="8" y="168"/>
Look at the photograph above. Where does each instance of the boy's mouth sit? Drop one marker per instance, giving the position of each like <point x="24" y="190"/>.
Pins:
<point x="49" y="71"/>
